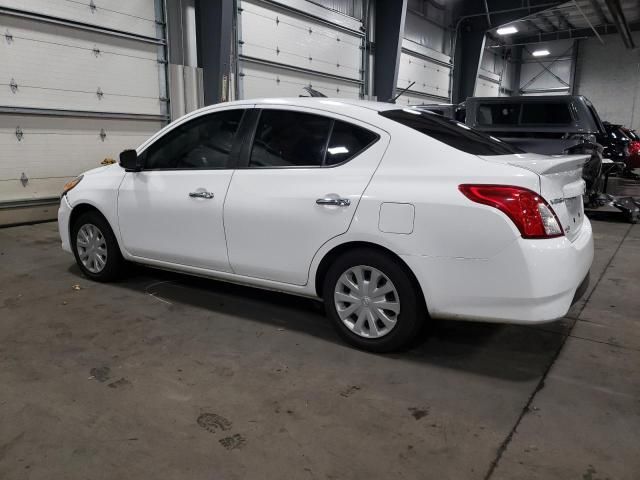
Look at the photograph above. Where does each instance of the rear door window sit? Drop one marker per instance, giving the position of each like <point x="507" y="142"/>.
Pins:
<point x="286" y="138"/>
<point x="453" y="133"/>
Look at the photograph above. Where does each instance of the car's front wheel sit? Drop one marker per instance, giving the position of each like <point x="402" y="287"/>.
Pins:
<point x="96" y="248"/>
<point x="373" y="301"/>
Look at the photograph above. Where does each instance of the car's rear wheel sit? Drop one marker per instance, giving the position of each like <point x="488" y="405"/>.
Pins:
<point x="373" y="301"/>
<point x="96" y="248"/>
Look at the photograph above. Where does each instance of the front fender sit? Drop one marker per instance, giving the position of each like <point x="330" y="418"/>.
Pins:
<point x="99" y="189"/>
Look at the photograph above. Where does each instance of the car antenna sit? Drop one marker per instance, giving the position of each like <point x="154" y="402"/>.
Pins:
<point x="314" y="93"/>
<point x="402" y="92"/>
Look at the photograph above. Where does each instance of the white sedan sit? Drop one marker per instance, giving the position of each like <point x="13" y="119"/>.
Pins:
<point x="390" y="215"/>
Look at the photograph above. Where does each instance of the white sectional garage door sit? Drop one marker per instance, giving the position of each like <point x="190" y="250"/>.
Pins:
<point x="286" y="46"/>
<point x="430" y="70"/>
<point x="80" y="81"/>
<point x="487" y="84"/>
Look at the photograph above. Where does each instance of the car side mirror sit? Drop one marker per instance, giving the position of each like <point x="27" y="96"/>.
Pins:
<point x="130" y="161"/>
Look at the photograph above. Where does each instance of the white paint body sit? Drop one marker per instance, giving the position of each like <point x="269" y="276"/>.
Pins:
<point x="264" y="228"/>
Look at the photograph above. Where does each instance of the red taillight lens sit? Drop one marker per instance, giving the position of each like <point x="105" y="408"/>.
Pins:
<point x="533" y="216"/>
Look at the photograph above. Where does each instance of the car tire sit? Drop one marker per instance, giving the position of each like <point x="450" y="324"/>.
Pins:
<point x="95" y="248"/>
<point x="401" y="307"/>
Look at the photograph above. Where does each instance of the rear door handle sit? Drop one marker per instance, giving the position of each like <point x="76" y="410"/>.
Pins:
<point x="207" y="195"/>
<point x="338" y="202"/>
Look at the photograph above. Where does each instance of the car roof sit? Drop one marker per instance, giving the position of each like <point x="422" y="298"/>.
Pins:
<point x="337" y="105"/>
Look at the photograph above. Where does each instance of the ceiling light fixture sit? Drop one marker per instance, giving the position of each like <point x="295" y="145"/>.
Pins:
<point x="507" y="30"/>
<point x="540" y="53"/>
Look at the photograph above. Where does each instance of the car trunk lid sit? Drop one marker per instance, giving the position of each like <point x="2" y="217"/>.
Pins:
<point x="561" y="184"/>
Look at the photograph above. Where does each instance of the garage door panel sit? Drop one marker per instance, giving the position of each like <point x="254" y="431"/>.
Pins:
<point x="57" y="66"/>
<point x="46" y="66"/>
<point x="81" y="101"/>
<point x="486" y="88"/>
<point x="267" y="81"/>
<point x="61" y="147"/>
<point x="277" y="54"/>
<point x="431" y="78"/>
<point x="282" y="37"/>
<point x="36" y="188"/>
<point x="414" y="99"/>
<point x="26" y="29"/>
<point x="131" y="16"/>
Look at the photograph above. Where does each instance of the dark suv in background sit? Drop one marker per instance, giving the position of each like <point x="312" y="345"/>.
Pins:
<point x="548" y="125"/>
<point x="618" y="146"/>
<point x="551" y="125"/>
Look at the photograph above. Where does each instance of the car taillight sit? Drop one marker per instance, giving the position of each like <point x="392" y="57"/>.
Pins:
<point x="533" y="216"/>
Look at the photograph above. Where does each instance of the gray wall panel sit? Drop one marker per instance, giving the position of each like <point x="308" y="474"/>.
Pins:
<point x="609" y="75"/>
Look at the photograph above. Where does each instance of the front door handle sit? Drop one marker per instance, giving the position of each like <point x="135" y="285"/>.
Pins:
<point x="207" y="195"/>
<point x="338" y="202"/>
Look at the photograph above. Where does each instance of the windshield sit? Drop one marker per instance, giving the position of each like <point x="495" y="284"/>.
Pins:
<point x="453" y="133"/>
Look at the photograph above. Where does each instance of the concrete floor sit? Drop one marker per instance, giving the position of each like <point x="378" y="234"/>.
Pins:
<point x="163" y="376"/>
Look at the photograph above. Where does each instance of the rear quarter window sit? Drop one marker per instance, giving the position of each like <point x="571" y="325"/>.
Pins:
<point x="346" y="142"/>
<point x="448" y="131"/>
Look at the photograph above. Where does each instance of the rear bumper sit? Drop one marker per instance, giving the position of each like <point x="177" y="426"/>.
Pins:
<point x="64" y="212"/>
<point x="531" y="281"/>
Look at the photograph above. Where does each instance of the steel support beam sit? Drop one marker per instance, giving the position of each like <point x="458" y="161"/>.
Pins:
<point x="563" y="21"/>
<point x="534" y="25"/>
<point x="468" y="57"/>
<point x="615" y="9"/>
<point x="214" y="32"/>
<point x="586" y="19"/>
<point x="575" y="34"/>
<point x="596" y="8"/>
<point x="389" y="28"/>
<point x="548" y="23"/>
<point x="516" y="58"/>
<point x="486" y="9"/>
<point x="574" y="66"/>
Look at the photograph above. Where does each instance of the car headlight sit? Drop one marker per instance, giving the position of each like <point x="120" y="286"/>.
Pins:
<point x="70" y="185"/>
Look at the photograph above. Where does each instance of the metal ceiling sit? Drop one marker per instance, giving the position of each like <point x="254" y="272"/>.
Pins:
<point x="579" y="17"/>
